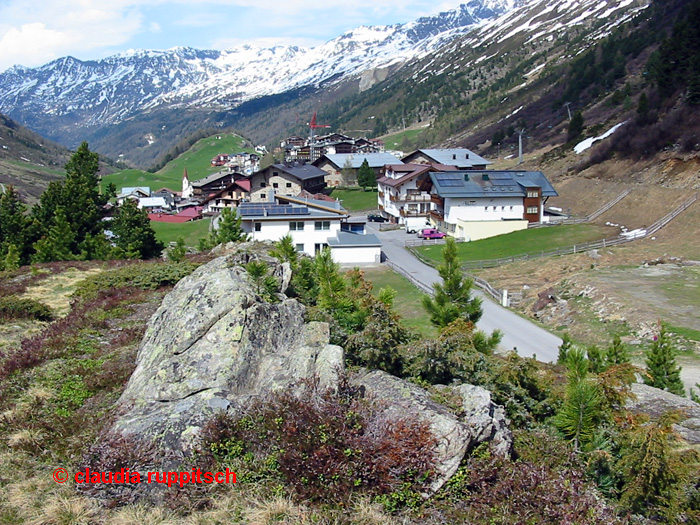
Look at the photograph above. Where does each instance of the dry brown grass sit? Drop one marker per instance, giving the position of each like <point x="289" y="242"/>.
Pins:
<point x="55" y="291"/>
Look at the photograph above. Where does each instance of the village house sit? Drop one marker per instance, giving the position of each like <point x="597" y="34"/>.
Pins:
<point x="399" y="195"/>
<point x="313" y="225"/>
<point x="133" y="193"/>
<point x="342" y="169"/>
<point x="229" y="197"/>
<point x="285" y="179"/>
<point x="460" y="158"/>
<point x="475" y="204"/>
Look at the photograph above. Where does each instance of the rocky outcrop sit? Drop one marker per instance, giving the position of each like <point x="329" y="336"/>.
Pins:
<point x="455" y="435"/>
<point x="655" y="402"/>
<point x="212" y="345"/>
<point x="487" y="421"/>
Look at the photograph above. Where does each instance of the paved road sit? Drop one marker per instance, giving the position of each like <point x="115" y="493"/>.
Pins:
<point x="526" y="337"/>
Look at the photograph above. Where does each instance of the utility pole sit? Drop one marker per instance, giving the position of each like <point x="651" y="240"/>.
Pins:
<point x="520" y="145"/>
<point x="567" y="104"/>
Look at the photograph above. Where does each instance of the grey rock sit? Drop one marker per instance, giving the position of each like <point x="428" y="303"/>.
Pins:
<point x="487" y="421"/>
<point x="212" y="345"/>
<point x="401" y="398"/>
<point x="655" y="402"/>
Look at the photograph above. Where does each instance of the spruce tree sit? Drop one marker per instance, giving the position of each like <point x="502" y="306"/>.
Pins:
<point x="366" y="177"/>
<point x="452" y="298"/>
<point x="133" y="233"/>
<point x="662" y="370"/>
<point x="14" y="225"/>
<point x="564" y="348"/>
<point x="230" y="229"/>
<point x="58" y="244"/>
<point x="616" y="353"/>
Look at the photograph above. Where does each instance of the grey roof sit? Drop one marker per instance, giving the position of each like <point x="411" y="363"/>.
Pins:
<point x="483" y="183"/>
<point x="283" y="212"/>
<point x="460" y="157"/>
<point x="348" y="239"/>
<point x="211" y="178"/>
<point x="375" y="160"/>
<point x="302" y="171"/>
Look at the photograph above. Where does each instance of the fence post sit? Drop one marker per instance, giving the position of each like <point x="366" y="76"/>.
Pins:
<point x="504" y="301"/>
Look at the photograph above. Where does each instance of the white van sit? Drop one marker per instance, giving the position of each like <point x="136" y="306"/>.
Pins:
<point x="413" y="224"/>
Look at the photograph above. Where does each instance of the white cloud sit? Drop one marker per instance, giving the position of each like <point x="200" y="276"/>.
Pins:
<point x="33" y="32"/>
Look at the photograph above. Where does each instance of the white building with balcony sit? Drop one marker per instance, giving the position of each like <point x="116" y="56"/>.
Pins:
<point x="400" y="194"/>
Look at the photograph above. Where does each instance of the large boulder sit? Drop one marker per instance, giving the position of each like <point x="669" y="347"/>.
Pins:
<point x="455" y="435"/>
<point x="654" y="402"/>
<point x="486" y="420"/>
<point x="212" y="345"/>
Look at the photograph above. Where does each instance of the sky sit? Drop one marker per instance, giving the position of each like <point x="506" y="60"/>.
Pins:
<point x="35" y="32"/>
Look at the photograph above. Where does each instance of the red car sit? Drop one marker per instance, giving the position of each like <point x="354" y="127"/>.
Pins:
<point x="431" y="233"/>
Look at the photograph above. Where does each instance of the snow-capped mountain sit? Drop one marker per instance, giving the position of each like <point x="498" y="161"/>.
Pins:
<point x="112" y="89"/>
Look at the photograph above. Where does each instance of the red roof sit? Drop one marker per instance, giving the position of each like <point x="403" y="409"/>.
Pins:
<point x="195" y="211"/>
<point x="164" y="217"/>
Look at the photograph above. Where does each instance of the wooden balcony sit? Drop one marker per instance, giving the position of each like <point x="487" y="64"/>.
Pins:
<point x="381" y="194"/>
<point x="437" y="200"/>
<point x="436" y="215"/>
<point x="421" y="197"/>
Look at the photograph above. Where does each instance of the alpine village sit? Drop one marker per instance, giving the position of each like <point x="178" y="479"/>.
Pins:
<point x="440" y="272"/>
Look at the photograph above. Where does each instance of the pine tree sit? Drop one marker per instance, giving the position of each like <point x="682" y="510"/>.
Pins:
<point x="452" y="298"/>
<point x="79" y="196"/>
<point x="14" y="225"/>
<point x="575" y="126"/>
<point x="564" y="348"/>
<point x="285" y="251"/>
<point x="58" y="244"/>
<point x="230" y="228"/>
<point x="12" y="259"/>
<point x="133" y="232"/>
<point x="662" y="370"/>
<point x="616" y="353"/>
<point x="366" y="177"/>
<point x="596" y="362"/>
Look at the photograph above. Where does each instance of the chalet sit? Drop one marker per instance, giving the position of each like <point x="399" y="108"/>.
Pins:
<point x="220" y="159"/>
<point x="153" y="204"/>
<point x="334" y="166"/>
<point x="399" y="191"/>
<point x="286" y="179"/>
<point x="475" y="204"/>
<point x="133" y="193"/>
<point x="313" y="225"/>
<point x="213" y="183"/>
<point x="168" y="195"/>
<point x="229" y="197"/>
<point x="461" y="158"/>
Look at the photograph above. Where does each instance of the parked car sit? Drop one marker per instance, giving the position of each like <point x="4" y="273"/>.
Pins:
<point x="375" y="217"/>
<point x="431" y="233"/>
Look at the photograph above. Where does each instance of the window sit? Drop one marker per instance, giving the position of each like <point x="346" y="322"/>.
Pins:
<point x="503" y="208"/>
<point x="289" y="185"/>
<point x="258" y="226"/>
<point x="511" y="208"/>
<point x="320" y="246"/>
<point x="322" y="225"/>
<point x="296" y="226"/>
<point x="533" y="193"/>
<point x="532" y="210"/>
<point x="486" y="208"/>
<point x="494" y="208"/>
<point x="263" y="185"/>
<point x="275" y="185"/>
<point x="300" y="247"/>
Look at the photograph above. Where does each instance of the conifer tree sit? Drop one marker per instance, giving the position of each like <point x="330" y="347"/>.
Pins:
<point x="616" y="353"/>
<point x="133" y="232"/>
<point x="564" y="348"/>
<point x="230" y="229"/>
<point x="452" y="298"/>
<point x="58" y="244"/>
<point x="14" y="225"/>
<point x="662" y="370"/>
<point x="365" y="176"/>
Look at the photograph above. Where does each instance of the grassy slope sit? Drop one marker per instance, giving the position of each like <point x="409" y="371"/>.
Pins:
<point x="190" y="231"/>
<point x="524" y="241"/>
<point x="356" y="199"/>
<point x="395" y="140"/>
<point x="408" y="299"/>
<point x="197" y="160"/>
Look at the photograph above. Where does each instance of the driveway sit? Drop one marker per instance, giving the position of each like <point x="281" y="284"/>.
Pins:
<point x="519" y="334"/>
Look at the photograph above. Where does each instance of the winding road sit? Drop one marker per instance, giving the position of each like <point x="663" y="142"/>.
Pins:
<point x="528" y="339"/>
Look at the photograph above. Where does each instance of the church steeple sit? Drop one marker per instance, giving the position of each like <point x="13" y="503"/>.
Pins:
<point x="187" y="189"/>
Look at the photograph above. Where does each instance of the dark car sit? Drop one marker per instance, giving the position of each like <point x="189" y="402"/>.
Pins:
<point x="375" y="217"/>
